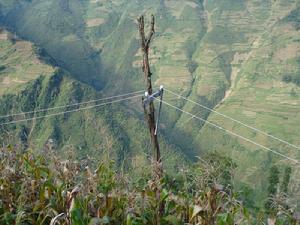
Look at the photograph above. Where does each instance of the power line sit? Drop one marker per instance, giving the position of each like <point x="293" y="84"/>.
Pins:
<point x="237" y="121"/>
<point x="232" y="133"/>
<point x="75" y="104"/>
<point x="69" y="111"/>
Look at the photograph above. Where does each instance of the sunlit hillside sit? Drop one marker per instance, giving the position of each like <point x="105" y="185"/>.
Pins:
<point x="230" y="69"/>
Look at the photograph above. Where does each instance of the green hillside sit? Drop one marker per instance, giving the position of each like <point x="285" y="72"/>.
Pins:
<point x="259" y="97"/>
<point x="29" y="84"/>
<point x="19" y="63"/>
<point x="241" y="58"/>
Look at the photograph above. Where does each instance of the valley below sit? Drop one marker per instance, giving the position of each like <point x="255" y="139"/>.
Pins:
<point x="238" y="58"/>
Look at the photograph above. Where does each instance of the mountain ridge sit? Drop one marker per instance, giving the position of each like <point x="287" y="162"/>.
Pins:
<point x="240" y="51"/>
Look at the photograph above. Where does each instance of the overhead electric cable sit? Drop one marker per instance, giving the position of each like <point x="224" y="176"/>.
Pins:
<point x="70" y="105"/>
<point x="235" y="120"/>
<point x="232" y="133"/>
<point x="69" y="111"/>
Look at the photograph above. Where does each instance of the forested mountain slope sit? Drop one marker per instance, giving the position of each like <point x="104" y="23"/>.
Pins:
<point x="238" y="57"/>
<point x="28" y="83"/>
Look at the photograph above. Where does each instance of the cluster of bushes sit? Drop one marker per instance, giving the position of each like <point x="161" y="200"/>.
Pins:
<point x="2" y="68"/>
<point x="45" y="189"/>
<point x="291" y="79"/>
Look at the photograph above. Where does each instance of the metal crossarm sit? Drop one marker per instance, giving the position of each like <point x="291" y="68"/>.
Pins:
<point x="151" y="98"/>
<point x="159" y="110"/>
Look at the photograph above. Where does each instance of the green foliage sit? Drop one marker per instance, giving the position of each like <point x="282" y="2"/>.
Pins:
<point x="294" y="18"/>
<point x="224" y="44"/>
<point x="277" y="206"/>
<point x="224" y="35"/>
<point x="272" y="188"/>
<point x="192" y="66"/>
<point x="291" y="78"/>
<point x="286" y="179"/>
<point x="2" y="68"/>
<point x="273" y="180"/>
<point x="43" y="189"/>
<point x="227" y="5"/>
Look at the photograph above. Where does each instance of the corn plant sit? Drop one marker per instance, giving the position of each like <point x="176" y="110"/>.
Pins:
<point x="45" y="189"/>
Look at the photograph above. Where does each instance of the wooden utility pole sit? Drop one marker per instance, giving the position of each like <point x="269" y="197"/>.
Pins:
<point x="149" y="109"/>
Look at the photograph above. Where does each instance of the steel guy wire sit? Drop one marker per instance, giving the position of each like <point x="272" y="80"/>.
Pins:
<point x="64" y="106"/>
<point x="69" y="111"/>
<point x="235" y="120"/>
<point x="234" y="134"/>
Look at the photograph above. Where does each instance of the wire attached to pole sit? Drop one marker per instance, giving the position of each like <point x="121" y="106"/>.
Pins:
<point x="159" y="110"/>
<point x="150" y="98"/>
<point x="296" y="161"/>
